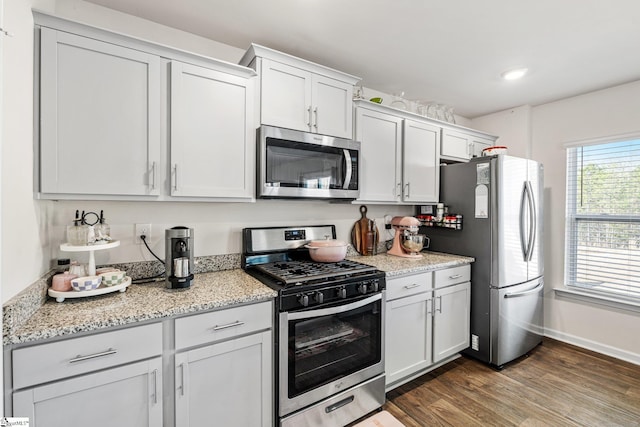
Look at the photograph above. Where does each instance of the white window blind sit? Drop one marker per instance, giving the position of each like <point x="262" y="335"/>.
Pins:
<point x="603" y="218"/>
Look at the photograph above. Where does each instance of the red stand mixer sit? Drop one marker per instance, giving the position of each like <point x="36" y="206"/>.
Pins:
<point x="407" y="242"/>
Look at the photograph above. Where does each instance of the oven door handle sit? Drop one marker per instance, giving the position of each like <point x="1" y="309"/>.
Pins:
<point x="333" y="310"/>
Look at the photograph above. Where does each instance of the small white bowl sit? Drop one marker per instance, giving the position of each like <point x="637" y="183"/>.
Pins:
<point x="112" y="278"/>
<point x="86" y="283"/>
<point x="492" y="151"/>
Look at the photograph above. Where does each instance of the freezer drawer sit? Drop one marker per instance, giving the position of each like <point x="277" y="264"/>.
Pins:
<point x="517" y="317"/>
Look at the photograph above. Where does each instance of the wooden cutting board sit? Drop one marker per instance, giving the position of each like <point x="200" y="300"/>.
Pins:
<point x="361" y="230"/>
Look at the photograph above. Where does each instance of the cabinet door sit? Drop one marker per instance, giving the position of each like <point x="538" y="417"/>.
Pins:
<point x="456" y="145"/>
<point x="286" y="96"/>
<point x="99" y="117"/>
<point x="332" y="107"/>
<point x="130" y="395"/>
<point x="211" y="136"/>
<point x="380" y="136"/>
<point x="421" y="162"/>
<point x="480" y="144"/>
<point x="407" y="336"/>
<point x="226" y="384"/>
<point x="451" y="328"/>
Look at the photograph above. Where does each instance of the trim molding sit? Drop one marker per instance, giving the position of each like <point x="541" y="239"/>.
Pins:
<point x="608" y="350"/>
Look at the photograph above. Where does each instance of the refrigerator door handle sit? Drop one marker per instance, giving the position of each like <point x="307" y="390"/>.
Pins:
<point x="532" y="221"/>
<point x="524" y="293"/>
<point x="523" y="245"/>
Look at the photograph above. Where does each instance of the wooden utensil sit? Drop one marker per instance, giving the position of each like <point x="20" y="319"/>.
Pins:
<point x="364" y="234"/>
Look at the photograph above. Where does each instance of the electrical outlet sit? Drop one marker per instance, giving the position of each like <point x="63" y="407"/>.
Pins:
<point x="142" y="229"/>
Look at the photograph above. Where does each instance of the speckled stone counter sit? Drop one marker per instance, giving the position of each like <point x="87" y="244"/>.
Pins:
<point x="397" y="266"/>
<point x="140" y="303"/>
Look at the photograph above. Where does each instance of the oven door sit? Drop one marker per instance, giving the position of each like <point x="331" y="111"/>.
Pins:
<point x="325" y="351"/>
<point x="300" y="164"/>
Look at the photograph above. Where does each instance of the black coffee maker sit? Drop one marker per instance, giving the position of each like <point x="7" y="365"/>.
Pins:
<point x="179" y="257"/>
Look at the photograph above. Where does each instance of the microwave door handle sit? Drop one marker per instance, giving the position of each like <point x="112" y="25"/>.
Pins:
<point x="348" y="169"/>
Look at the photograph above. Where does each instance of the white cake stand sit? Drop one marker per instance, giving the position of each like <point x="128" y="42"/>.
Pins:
<point x="91" y="249"/>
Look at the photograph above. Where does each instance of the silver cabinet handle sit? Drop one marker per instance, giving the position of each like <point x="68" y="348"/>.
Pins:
<point x="175" y="177"/>
<point x="455" y="276"/>
<point x="430" y="306"/>
<point x="229" y="325"/>
<point x="80" y="358"/>
<point x="413" y="285"/>
<point x="309" y="117"/>
<point x="399" y="190"/>
<point x="153" y="175"/>
<point x="182" y="383"/>
<point x="439" y="308"/>
<point x="315" y="112"/>
<point x="155" y="386"/>
<point x="407" y="194"/>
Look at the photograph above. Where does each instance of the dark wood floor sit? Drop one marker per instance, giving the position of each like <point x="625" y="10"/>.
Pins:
<point x="556" y="385"/>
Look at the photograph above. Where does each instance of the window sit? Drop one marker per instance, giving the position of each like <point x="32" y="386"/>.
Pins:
<point x="603" y="218"/>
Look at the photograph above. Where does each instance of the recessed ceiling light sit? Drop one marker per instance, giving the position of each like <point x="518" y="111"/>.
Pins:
<point x="514" y="74"/>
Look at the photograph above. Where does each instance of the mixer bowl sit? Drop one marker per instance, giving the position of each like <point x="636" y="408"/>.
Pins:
<point x="414" y="242"/>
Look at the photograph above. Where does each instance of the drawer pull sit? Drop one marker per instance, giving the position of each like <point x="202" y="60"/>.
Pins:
<point x="230" y="325"/>
<point x="415" y="285"/>
<point x="155" y="386"/>
<point x="79" y="358"/>
<point x="455" y="276"/>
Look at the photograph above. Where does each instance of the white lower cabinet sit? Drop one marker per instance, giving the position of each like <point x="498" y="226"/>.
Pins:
<point x="427" y="321"/>
<point x="226" y="384"/>
<point x="228" y="380"/>
<point x="451" y="328"/>
<point x="129" y="395"/>
<point x="106" y="379"/>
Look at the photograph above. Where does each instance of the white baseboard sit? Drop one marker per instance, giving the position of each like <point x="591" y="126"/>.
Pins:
<point x="594" y="346"/>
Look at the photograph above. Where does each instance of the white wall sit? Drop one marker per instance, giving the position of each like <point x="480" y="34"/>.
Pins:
<point x="609" y="112"/>
<point x="33" y="229"/>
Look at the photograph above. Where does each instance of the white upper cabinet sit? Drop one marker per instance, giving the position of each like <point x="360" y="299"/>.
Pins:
<point x="463" y="144"/>
<point x="399" y="156"/>
<point x="301" y="95"/>
<point x="125" y="119"/>
<point x="380" y="135"/>
<point x="420" y="162"/>
<point x="212" y="136"/>
<point x="99" y="117"/>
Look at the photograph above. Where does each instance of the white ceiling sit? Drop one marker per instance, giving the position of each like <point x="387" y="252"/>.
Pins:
<point x="448" y="51"/>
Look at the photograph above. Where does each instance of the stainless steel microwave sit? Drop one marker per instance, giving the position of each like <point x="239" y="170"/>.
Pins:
<point x="294" y="164"/>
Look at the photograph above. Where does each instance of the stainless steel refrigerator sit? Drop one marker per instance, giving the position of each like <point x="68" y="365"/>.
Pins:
<point x="500" y="199"/>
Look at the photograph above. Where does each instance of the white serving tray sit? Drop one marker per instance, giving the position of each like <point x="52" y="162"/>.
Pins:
<point x="61" y="296"/>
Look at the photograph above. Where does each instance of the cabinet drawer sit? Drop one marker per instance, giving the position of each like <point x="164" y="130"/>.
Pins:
<point x="47" y="362"/>
<point x="409" y="285"/>
<point x="223" y="324"/>
<point x="451" y="276"/>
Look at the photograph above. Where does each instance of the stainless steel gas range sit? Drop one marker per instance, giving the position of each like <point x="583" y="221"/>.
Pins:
<point x="329" y="331"/>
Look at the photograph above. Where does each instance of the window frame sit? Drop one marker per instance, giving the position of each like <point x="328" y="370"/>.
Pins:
<point x="572" y="221"/>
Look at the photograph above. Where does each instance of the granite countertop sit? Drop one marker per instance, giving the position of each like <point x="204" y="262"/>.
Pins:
<point x="139" y="303"/>
<point x="395" y="266"/>
<point x="211" y="290"/>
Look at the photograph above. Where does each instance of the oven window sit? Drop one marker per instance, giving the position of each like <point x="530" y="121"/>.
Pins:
<point x="322" y="349"/>
<point x="300" y="165"/>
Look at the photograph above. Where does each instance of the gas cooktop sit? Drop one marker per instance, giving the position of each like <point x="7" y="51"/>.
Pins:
<point x="301" y="271"/>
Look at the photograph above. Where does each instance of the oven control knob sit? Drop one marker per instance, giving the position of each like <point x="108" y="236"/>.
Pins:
<point x="342" y="293"/>
<point x="362" y="288"/>
<point x="303" y="300"/>
<point x="375" y="286"/>
<point x="319" y="297"/>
